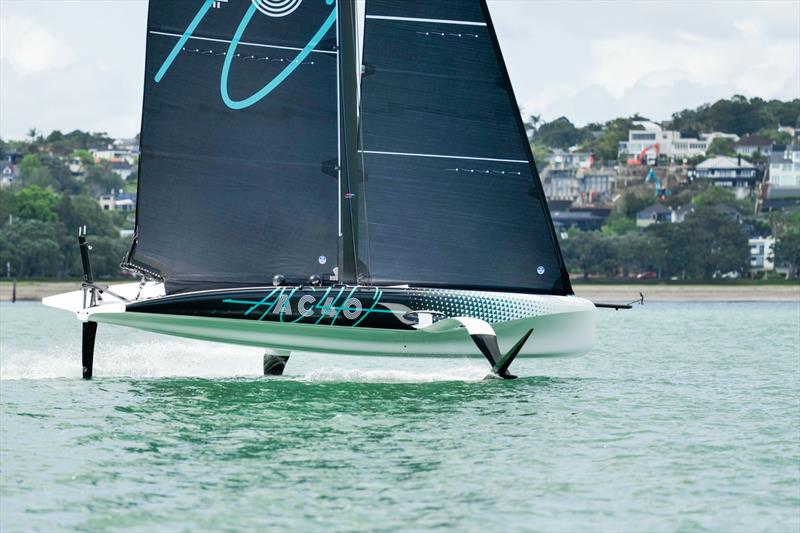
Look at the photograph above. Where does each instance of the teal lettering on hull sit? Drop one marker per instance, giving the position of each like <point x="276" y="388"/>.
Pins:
<point x="310" y="306"/>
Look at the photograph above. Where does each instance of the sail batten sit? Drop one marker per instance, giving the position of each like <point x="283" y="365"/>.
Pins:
<point x="434" y="21"/>
<point x="445" y="156"/>
<point x="242" y="43"/>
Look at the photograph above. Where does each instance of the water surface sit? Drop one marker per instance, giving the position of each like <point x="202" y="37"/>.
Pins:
<point x="684" y="417"/>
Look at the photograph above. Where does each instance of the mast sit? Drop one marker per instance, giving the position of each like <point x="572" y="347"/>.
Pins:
<point x="349" y="167"/>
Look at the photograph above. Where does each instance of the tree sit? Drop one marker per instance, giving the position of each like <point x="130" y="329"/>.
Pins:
<point x="714" y="196"/>
<point x="640" y="252"/>
<point x="531" y="125"/>
<point x="101" y="180"/>
<point x="632" y="203"/>
<point x="618" y="224"/>
<point x="80" y="210"/>
<point x="787" y="252"/>
<point x="738" y="115"/>
<point x="35" y="203"/>
<point x="591" y="252"/>
<point x="706" y="244"/>
<point x="721" y="146"/>
<point x="30" y="247"/>
<point x="540" y="156"/>
<point x="8" y="205"/>
<point x="33" y="172"/>
<point x="691" y="122"/>
<point x="560" y="133"/>
<point x="75" y="211"/>
<point x="777" y="137"/>
<point x="606" y="145"/>
<point x="85" y="156"/>
<point x="107" y="254"/>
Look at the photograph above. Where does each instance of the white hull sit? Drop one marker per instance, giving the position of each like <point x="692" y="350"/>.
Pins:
<point x="563" y="326"/>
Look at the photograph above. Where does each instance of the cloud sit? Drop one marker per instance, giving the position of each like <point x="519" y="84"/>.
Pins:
<point x="585" y="61"/>
<point x="31" y="48"/>
<point x="589" y="61"/>
<point x="746" y="60"/>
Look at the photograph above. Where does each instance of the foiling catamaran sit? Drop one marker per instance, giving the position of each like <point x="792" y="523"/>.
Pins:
<point x="297" y="194"/>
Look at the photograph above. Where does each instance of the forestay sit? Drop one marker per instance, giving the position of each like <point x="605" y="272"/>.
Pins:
<point x="451" y="192"/>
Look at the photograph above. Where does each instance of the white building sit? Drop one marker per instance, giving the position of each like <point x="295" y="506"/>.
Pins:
<point x="9" y="174"/>
<point x="119" y="202"/>
<point x="114" y="154"/>
<point x="76" y="167"/>
<point x="732" y="173"/>
<point x="563" y="159"/>
<point x="751" y="144"/>
<point x="122" y="169"/>
<point x="784" y="168"/>
<point x="761" y="255"/>
<point x="654" y="214"/>
<point x="583" y="185"/>
<point x="671" y="143"/>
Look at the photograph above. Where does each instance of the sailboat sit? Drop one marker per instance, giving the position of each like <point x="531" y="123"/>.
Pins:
<point x="315" y="177"/>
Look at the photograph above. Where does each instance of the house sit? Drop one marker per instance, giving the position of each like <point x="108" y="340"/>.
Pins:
<point x="561" y="184"/>
<point x="113" y="154"/>
<point x="747" y="146"/>
<point x="729" y="172"/>
<point x="9" y="174"/>
<point x="582" y="220"/>
<point x="679" y="214"/>
<point x="76" y="167"/>
<point x="784" y="172"/>
<point x="728" y="211"/>
<point x="595" y="186"/>
<point x="762" y="258"/>
<point x="671" y="143"/>
<point x="122" y="168"/>
<point x="106" y="202"/>
<point x="125" y="202"/>
<point x="118" y="202"/>
<point x="130" y="145"/>
<point x="569" y="185"/>
<point x="655" y="214"/>
<point x="564" y="159"/>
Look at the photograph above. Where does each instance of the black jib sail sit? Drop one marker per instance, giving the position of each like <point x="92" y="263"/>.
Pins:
<point x="451" y="192"/>
<point x="238" y="172"/>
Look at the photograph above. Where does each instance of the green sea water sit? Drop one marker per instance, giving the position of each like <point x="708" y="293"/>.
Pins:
<point x="685" y="417"/>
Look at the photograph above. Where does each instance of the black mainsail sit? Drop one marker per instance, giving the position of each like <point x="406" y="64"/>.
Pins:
<point x="257" y="161"/>
<point x="238" y="169"/>
<point x="453" y="198"/>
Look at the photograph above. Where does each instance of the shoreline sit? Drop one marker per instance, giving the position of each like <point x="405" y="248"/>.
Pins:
<point x="607" y="293"/>
<point x="689" y="293"/>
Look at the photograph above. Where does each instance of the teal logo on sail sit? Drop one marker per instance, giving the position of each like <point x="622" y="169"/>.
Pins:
<point x="269" y="7"/>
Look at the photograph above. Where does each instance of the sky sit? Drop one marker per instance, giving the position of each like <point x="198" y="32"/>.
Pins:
<point x="78" y="64"/>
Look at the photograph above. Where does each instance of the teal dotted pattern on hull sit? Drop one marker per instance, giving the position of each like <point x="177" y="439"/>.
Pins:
<point x="489" y="306"/>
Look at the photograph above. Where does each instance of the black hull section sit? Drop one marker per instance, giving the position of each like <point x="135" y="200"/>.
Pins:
<point x="363" y="307"/>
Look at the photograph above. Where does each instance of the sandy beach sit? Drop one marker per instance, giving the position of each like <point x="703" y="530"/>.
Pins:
<point x="36" y="290"/>
<point x="689" y="293"/>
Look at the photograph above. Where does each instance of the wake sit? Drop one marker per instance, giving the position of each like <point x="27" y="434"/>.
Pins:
<point x="197" y="359"/>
